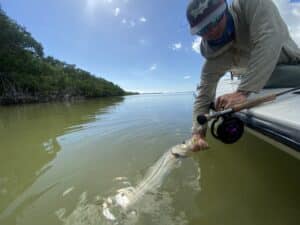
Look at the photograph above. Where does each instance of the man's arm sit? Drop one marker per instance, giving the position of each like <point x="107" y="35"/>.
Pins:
<point x="206" y="93"/>
<point x="267" y="35"/>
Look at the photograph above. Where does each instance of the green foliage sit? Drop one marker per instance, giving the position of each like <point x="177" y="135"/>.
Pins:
<point x="25" y="71"/>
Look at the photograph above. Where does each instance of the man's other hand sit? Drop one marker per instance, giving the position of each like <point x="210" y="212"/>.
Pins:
<point x="229" y="100"/>
<point x="199" y="143"/>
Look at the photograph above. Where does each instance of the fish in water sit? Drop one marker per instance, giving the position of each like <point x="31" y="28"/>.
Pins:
<point x="126" y="198"/>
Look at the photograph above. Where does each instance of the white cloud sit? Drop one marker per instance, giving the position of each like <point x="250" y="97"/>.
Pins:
<point x="196" y="45"/>
<point x="291" y="15"/>
<point x="296" y="12"/>
<point x="124" y="21"/>
<point x="187" y="77"/>
<point x="117" y="11"/>
<point x="296" y="35"/>
<point x="176" y="46"/>
<point x="153" y="67"/>
<point x="143" y="20"/>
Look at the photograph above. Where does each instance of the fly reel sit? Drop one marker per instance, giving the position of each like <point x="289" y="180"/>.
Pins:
<point x="227" y="128"/>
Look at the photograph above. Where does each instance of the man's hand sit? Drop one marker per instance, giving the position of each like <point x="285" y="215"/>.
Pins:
<point x="199" y="142"/>
<point x="229" y="100"/>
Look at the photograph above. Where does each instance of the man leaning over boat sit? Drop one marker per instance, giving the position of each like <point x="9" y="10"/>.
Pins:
<point x="248" y="36"/>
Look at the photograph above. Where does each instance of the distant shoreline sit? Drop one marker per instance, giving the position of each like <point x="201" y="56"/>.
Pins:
<point x="29" y="99"/>
<point x="175" y="92"/>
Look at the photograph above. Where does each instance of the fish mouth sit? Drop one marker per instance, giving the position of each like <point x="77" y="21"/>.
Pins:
<point x="177" y="155"/>
<point x="182" y="150"/>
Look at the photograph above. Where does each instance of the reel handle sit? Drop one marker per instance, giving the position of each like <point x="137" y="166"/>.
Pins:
<point x="254" y="102"/>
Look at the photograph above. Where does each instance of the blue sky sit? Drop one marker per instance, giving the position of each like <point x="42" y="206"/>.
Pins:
<point x="140" y="45"/>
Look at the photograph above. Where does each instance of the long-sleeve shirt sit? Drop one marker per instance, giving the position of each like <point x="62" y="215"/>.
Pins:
<point x="261" y="42"/>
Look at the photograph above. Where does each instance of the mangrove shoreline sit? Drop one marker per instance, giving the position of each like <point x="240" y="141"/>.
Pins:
<point x="28" y="76"/>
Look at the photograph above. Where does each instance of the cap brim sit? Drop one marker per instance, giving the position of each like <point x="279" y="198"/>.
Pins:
<point x="219" y="11"/>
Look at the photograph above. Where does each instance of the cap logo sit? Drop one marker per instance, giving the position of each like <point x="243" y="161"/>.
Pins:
<point x="203" y="4"/>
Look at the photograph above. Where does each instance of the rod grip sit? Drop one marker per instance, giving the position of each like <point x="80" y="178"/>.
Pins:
<point x="254" y="102"/>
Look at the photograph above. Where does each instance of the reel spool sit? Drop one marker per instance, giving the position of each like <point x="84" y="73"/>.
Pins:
<point x="227" y="128"/>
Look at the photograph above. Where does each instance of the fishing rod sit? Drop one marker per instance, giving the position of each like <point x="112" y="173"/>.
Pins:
<point x="228" y="128"/>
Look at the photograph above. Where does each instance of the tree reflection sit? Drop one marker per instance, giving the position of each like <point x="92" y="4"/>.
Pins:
<point x="28" y="137"/>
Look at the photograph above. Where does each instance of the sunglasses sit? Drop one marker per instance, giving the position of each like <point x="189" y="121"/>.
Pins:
<point x="211" y="25"/>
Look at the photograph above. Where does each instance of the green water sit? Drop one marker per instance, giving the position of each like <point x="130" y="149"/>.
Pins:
<point x="53" y="154"/>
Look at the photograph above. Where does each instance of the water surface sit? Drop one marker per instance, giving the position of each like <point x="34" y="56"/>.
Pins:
<point x="58" y="161"/>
